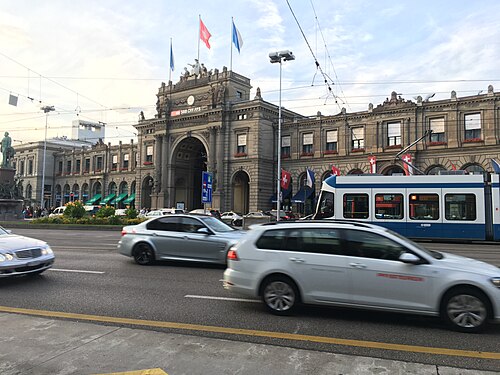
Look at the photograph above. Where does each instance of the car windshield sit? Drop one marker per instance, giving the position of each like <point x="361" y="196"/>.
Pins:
<point x="216" y="224"/>
<point x="433" y="253"/>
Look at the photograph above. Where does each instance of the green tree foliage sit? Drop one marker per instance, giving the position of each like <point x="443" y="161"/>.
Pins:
<point x="74" y="209"/>
<point x="106" y="211"/>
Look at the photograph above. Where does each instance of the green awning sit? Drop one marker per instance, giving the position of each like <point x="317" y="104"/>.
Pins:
<point x="119" y="198"/>
<point x="93" y="200"/>
<point x="107" y="199"/>
<point x="130" y="199"/>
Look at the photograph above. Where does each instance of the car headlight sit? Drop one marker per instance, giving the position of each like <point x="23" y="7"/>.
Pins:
<point x="47" y="250"/>
<point x="6" y="257"/>
<point x="496" y="281"/>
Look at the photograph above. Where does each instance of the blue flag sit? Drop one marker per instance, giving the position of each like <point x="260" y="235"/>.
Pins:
<point x="237" y="39"/>
<point x="310" y="178"/>
<point x="171" y="57"/>
<point x="495" y="165"/>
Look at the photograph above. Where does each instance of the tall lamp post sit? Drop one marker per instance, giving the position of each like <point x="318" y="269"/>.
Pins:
<point x="278" y="57"/>
<point x="46" y="110"/>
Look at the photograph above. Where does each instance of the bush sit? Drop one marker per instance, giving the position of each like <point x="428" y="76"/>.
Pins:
<point x="106" y="211"/>
<point x="74" y="209"/>
<point x="131" y="213"/>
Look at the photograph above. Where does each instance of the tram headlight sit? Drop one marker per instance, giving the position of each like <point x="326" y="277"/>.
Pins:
<point x="496" y="281"/>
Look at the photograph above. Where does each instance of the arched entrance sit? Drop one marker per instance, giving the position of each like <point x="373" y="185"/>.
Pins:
<point x="241" y="192"/>
<point x="147" y="188"/>
<point x="189" y="160"/>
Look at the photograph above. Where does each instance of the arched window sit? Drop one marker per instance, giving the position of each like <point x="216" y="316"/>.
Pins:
<point x="474" y="169"/>
<point x="436" y="169"/>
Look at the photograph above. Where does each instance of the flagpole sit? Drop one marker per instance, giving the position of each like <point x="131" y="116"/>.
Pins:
<point x="170" y="67"/>
<point x="199" y="33"/>
<point x="231" y="42"/>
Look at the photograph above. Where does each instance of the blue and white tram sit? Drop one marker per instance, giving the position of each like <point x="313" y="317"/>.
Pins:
<point x="459" y="207"/>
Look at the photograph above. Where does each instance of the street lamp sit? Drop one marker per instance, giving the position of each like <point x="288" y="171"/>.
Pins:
<point x="278" y="57"/>
<point x="46" y="110"/>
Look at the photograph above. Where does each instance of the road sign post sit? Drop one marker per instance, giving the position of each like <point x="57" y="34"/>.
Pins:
<point x="206" y="188"/>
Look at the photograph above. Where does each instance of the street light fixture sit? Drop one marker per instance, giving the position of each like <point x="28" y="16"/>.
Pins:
<point x="278" y="57"/>
<point x="46" y="110"/>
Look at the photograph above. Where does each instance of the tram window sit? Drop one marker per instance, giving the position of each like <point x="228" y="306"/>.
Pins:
<point x="460" y="207"/>
<point x="325" y="205"/>
<point x="424" y="206"/>
<point x="356" y="206"/>
<point x="389" y="206"/>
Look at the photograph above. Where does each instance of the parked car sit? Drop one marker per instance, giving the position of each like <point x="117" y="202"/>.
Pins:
<point x="164" y="211"/>
<point x="283" y="215"/>
<point x="59" y="211"/>
<point x="256" y="214"/>
<point x="346" y="263"/>
<point x="21" y="255"/>
<point x="208" y="211"/>
<point x="232" y="218"/>
<point x="196" y="238"/>
<point x="121" y="212"/>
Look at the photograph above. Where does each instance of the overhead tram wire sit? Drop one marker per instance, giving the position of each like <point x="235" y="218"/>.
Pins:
<point x="318" y="66"/>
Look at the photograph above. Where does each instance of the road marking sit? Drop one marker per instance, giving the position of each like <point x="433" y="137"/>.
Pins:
<point x="149" y="371"/>
<point x="76" y="271"/>
<point x="222" y="298"/>
<point x="256" y="333"/>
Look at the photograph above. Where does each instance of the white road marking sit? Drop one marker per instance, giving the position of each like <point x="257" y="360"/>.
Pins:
<point x="77" y="271"/>
<point x="222" y="298"/>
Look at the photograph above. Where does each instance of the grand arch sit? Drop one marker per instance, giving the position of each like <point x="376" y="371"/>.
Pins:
<point x="189" y="160"/>
<point x="241" y="192"/>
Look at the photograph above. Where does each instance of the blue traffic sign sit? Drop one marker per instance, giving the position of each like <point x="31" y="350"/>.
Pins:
<point x="206" y="187"/>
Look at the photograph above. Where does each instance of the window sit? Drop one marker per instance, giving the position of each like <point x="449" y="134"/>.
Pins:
<point x="114" y="164"/>
<point x="307" y="143"/>
<point x="394" y="134"/>
<point x="125" y="161"/>
<point x="472" y="127"/>
<point x="285" y="145"/>
<point x="190" y="225"/>
<point x="242" y="116"/>
<point x="326" y="207"/>
<point x="99" y="163"/>
<point x="424" y="207"/>
<point x="68" y="166"/>
<point x="331" y="140"/>
<point x="60" y="167"/>
<point x="30" y="167"/>
<point x="460" y="207"/>
<point x="78" y="165"/>
<point x="389" y="206"/>
<point x="437" y="127"/>
<point x="242" y="144"/>
<point x="169" y="224"/>
<point x="357" y="135"/>
<point x="21" y="167"/>
<point x="370" y="245"/>
<point x="355" y="206"/>
<point x="239" y="94"/>
<point x="149" y="154"/>
<point x="87" y="166"/>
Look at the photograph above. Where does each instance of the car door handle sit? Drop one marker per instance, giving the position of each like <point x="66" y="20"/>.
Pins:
<point x="357" y="265"/>
<point x="297" y="260"/>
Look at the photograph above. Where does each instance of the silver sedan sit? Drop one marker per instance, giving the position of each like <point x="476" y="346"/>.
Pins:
<point x="188" y="237"/>
<point x="21" y="255"/>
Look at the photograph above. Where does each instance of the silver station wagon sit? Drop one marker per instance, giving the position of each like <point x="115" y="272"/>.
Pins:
<point x="21" y="255"/>
<point x="187" y="237"/>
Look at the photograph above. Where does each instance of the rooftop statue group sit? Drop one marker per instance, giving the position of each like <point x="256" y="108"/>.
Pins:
<point x="197" y="70"/>
<point x="7" y="151"/>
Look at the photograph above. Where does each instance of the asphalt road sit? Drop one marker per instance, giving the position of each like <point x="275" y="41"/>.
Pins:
<point x="90" y="277"/>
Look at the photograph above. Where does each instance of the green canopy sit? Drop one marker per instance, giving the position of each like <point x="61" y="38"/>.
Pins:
<point x="130" y="199"/>
<point x="107" y="199"/>
<point x="118" y="199"/>
<point x="93" y="200"/>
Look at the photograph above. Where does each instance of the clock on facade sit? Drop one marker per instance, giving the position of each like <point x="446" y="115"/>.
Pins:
<point x="190" y="100"/>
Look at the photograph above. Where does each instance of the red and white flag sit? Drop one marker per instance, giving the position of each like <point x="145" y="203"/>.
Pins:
<point x="335" y="171"/>
<point x="373" y="164"/>
<point x="204" y="34"/>
<point x="285" y="179"/>
<point x="407" y="166"/>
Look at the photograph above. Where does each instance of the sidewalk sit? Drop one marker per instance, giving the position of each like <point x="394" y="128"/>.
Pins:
<point x="33" y="345"/>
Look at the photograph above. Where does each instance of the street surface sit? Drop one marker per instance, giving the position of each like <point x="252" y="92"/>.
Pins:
<point x="90" y="277"/>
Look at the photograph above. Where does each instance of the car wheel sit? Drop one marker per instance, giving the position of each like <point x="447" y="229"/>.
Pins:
<point x="280" y="295"/>
<point x="143" y="254"/>
<point x="465" y="310"/>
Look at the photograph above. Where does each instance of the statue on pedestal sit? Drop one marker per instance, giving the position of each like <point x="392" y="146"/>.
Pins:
<point x="7" y="150"/>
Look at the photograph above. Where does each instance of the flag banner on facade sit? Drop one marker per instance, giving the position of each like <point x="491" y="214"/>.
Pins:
<point x="335" y="171"/>
<point x="373" y="164"/>
<point x="495" y="165"/>
<point x="285" y="179"/>
<point x="407" y="166"/>
<point x="237" y="39"/>
<point x="13" y="100"/>
<point x="453" y="166"/>
<point x="204" y="34"/>
<point x="310" y="178"/>
<point x="172" y="64"/>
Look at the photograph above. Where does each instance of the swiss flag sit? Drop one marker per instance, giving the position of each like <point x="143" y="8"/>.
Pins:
<point x="335" y="171"/>
<point x="408" y="169"/>
<point x="285" y="179"/>
<point x="373" y="164"/>
<point x="204" y="34"/>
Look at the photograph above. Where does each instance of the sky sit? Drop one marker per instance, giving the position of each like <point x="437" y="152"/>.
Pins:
<point x="104" y="60"/>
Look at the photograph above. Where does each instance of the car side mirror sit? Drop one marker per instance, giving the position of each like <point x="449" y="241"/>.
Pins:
<point x="204" y="231"/>
<point x="409" y="258"/>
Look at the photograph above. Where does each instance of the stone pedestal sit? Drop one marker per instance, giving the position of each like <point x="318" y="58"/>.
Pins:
<point x="11" y="209"/>
<point x="7" y="175"/>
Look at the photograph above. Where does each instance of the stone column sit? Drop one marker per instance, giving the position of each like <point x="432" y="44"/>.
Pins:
<point x="164" y="172"/>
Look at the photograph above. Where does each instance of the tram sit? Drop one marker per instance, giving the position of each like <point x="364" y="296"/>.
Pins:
<point x="445" y="207"/>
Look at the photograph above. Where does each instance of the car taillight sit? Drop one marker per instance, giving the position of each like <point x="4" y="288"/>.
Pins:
<point x="232" y="255"/>
<point x="124" y="232"/>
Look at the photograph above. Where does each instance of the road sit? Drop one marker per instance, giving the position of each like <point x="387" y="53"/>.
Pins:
<point x="90" y="277"/>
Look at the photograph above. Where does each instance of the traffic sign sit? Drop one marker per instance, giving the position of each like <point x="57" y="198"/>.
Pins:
<point x="206" y="187"/>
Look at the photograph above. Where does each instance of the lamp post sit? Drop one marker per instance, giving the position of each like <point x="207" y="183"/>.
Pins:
<point x="278" y="57"/>
<point x="46" y="110"/>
